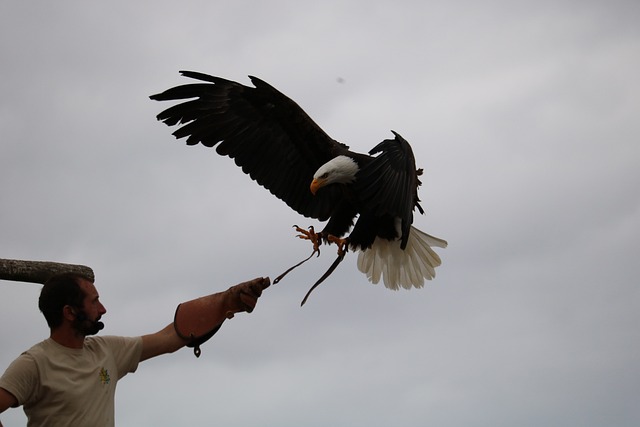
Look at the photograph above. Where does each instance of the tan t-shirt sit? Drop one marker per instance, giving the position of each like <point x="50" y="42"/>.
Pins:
<point x="61" y="386"/>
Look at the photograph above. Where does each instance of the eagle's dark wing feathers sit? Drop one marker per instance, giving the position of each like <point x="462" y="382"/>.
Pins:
<point x="267" y="134"/>
<point x="388" y="184"/>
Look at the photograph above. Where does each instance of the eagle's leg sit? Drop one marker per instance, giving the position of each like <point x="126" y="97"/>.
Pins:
<point x="310" y="234"/>
<point x="343" y="244"/>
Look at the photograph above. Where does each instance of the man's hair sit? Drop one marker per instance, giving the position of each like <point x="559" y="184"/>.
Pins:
<point x="58" y="291"/>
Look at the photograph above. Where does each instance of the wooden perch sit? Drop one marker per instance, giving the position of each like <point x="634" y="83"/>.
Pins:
<point x="38" y="271"/>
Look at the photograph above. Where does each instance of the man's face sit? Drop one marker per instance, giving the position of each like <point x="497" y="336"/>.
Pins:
<point x="88" y="318"/>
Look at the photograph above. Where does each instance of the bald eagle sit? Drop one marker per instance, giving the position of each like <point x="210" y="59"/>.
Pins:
<point x="279" y="146"/>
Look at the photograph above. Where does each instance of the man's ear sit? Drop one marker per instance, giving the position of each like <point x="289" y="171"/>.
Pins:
<point x="69" y="313"/>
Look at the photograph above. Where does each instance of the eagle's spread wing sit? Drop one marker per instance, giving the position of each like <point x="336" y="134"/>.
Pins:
<point x="388" y="185"/>
<point x="267" y="134"/>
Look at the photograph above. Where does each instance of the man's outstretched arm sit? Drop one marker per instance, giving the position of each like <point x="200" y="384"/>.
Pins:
<point x="7" y="400"/>
<point x="162" y="342"/>
<point x="203" y="314"/>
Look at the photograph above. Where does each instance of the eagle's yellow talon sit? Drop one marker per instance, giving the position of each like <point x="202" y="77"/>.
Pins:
<point x="343" y="244"/>
<point x="311" y="235"/>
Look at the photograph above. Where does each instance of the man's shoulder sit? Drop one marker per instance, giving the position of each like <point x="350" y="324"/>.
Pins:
<point x="124" y="351"/>
<point x="43" y="347"/>
<point x="111" y="342"/>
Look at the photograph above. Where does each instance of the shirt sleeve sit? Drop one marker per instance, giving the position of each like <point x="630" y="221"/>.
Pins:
<point x="21" y="379"/>
<point x="126" y="353"/>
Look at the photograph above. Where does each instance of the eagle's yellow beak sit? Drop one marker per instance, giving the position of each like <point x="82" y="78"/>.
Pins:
<point x="315" y="185"/>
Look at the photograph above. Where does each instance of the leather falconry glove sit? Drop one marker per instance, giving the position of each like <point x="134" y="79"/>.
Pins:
<point x="199" y="319"/>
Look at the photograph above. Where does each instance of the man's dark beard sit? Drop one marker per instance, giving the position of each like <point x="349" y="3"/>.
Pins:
<point x="85" y="326"/>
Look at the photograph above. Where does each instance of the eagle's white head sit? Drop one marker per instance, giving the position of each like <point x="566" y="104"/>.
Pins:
<point x="339" y="170"/>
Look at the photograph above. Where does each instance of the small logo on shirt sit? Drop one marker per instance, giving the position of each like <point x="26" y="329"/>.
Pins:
<point x="104" y="376"/>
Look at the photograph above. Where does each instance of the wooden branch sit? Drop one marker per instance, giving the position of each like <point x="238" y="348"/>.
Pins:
<point x="38" y="271"/>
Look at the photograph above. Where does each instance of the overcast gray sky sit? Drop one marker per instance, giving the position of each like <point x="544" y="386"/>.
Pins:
<point x="524" y="116"/>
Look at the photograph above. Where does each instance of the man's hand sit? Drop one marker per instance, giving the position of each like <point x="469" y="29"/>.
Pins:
<point x="244" y="297"/>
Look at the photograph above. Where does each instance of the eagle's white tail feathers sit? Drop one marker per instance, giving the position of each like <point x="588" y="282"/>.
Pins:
<point x="401" y="268"/>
